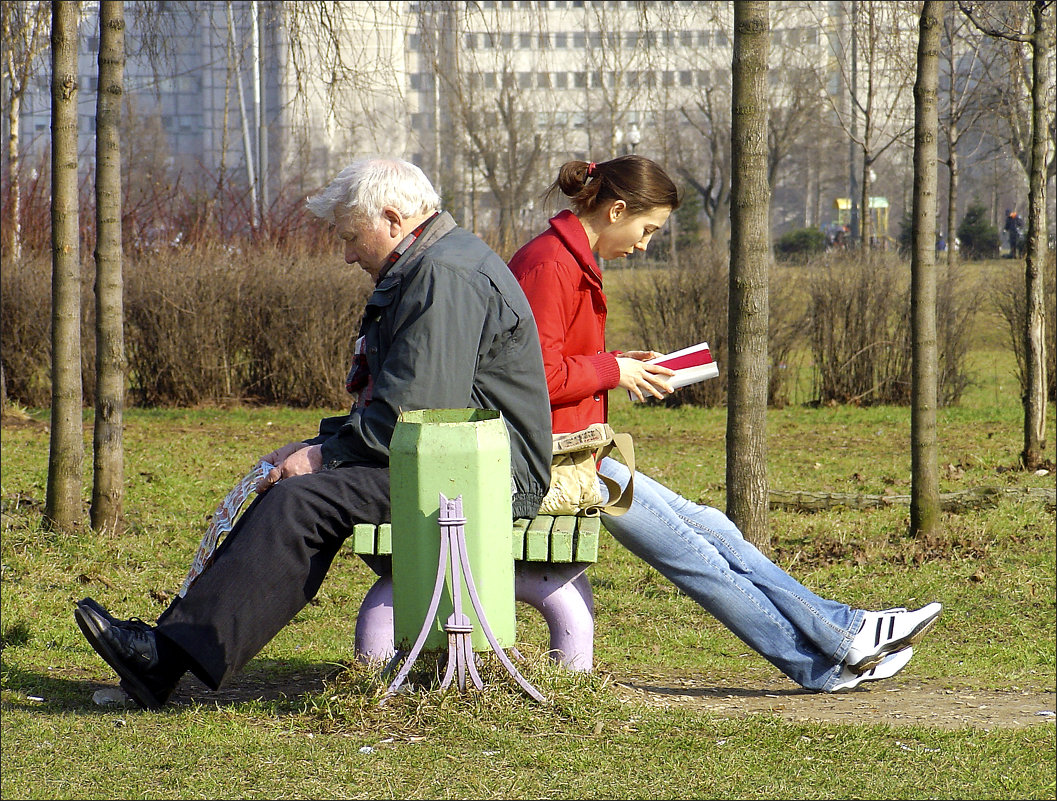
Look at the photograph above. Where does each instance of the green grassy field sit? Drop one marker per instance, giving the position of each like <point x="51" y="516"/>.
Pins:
<point x="303" y="720"/>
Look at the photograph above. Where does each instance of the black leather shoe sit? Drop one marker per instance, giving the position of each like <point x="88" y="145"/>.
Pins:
<point x="128" y="646"/>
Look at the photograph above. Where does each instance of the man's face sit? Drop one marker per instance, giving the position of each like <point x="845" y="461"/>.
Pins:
<point x="368" y="241"/>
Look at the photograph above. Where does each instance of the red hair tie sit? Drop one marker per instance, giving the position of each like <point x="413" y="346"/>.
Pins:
<point x="590" y="169"/>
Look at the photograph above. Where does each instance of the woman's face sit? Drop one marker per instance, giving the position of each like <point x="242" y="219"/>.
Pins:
<point x="624" y="233"/>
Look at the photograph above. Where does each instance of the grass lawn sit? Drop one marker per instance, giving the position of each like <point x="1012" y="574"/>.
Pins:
<point x="303" y="720"/>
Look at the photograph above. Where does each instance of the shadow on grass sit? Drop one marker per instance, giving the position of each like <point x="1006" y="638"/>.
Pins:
<point x="277" y="683"/>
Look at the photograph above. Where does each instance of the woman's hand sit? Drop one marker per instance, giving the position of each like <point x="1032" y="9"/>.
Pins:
<point x="641" y="355"/>
<point x="640" y="378"/>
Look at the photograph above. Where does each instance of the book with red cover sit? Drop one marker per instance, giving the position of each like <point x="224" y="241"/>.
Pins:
<point x="691" y="365"/>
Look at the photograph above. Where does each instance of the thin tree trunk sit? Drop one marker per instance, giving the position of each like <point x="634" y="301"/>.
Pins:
<point x="952" y="190"/>
<point x="747" y="371"/>
<point x="109" y="471"/>
<point x="1042" y="45"/>
<point x="14" y="173"/>
<point x="63" y="506"/>
<point x="924" y="469"/>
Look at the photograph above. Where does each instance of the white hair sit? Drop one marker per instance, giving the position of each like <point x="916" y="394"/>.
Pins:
<point x="369" y="184"/>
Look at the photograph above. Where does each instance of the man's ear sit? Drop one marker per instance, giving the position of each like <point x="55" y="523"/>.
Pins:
<point x="395" y="220"/>
<point x="615" y="210"/>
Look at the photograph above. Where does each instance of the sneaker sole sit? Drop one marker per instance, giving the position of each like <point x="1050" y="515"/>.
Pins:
<point x="130" y="683"/>
<point x="892" y="647"/>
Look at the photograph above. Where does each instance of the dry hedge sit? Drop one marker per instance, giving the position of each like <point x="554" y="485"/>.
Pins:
<point x="203" y="326"/>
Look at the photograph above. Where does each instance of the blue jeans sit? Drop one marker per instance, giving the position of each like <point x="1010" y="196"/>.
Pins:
<point x="701" y="551"/>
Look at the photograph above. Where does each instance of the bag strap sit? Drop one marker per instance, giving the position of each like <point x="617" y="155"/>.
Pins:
<point x="619" y="500"/>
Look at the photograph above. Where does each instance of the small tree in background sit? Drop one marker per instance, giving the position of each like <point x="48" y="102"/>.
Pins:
<point x="979" y="239"/>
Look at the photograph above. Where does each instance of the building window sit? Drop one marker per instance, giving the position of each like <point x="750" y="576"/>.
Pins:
<point x="471" y="41"/>
<point x="507" y="41"/>
<point x="526" y="41"/>
<point x="686" y="78"/>
<point x="561" y="80"/>
<point x="703" y="38"/>
<point x="668" y="76"/>
<point x="579" y="40"/>
<point x="544" y="41"/>
<point x="561" y="40"/>
<point x="524" y="80"/>
<point x="580" y="80"/>
<point x="490" y="81"/>
<point x="543" y="80"/>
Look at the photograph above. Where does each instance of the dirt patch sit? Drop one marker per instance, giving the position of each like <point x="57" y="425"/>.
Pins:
<point x="897" y="704"/>
<point x="894" y="703"/>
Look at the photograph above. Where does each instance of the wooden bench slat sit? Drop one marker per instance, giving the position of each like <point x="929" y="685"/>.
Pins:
<point x="587" y="539"/>
<point x="537" y="539"/>
<point x="385" y="538"/>
<point x="562" y="538"/>
<point x="520" y="526"/>
<point x="363" y="538"/>
<point x="545" y="538"/>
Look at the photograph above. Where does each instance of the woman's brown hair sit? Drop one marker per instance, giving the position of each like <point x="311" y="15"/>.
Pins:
<point x="638" y="181"/>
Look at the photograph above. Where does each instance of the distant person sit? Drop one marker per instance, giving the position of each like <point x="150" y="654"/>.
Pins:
<point x="617" y="207"/>
<point x="446" y="327"/>
<point x="941" y="244"/>
<point x="1014" y="226"/>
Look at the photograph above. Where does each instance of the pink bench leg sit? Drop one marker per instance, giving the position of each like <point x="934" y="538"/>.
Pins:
<point x="562" y="593"/>
<point x="374" y="623"/>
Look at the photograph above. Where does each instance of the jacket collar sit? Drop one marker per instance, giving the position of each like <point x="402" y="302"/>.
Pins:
<point x="570" y="231"/>
<point x="436" y="227"/>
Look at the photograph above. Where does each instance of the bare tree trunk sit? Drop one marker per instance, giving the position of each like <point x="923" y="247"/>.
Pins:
<point x="924" y="469"/>
<point x="952" y="199"/>
<point x="14" y="172"/>
<point x="109" y="471"/>
<point x="1042" y="45"/>
<point x="750" y="257"/>
<point x="63" y="505"/>
<point x="23" y="36"/>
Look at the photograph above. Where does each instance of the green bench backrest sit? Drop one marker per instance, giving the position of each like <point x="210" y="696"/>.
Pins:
<point x="546" y="538"/>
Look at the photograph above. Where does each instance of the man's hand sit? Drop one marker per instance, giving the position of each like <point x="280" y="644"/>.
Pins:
<point x="295" y="459"/>
<point x="278" y="456"/>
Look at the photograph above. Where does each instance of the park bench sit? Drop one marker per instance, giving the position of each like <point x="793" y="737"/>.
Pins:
<point x="551" y="557"/>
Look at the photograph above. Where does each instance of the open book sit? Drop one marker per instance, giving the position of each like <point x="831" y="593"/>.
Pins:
<point x="691" y="365"/>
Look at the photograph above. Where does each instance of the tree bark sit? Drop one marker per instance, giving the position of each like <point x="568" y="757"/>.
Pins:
<point x="109" y="469"/>
<point x="924" y="469"/>
<point x="1042" y="45"/>
<point x="63" y="506"/>
<point x="750" y="259"/>
<point x="23" y="36"/>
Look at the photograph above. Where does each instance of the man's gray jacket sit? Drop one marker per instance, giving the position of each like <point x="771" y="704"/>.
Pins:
<point x="448" y="327"/>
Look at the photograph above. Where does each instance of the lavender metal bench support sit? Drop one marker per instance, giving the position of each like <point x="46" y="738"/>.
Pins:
<point x="552" y="555"/>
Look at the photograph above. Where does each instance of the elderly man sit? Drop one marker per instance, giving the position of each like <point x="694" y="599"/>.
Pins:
<point x="446" y="327"/>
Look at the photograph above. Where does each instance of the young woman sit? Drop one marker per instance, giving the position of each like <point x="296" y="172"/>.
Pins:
<point x="821" y="644"/>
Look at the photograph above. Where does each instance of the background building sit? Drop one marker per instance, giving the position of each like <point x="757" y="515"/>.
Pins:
<point x="258" y="102"/>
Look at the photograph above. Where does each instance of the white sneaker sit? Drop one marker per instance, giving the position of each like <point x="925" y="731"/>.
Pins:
<point x="888" y="667"/>
<point x="883" y="633"/>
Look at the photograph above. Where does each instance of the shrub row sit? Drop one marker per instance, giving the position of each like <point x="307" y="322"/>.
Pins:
<point x="848" y="316"/>
<point x="213" y="325"/>
<point x="202" y="326"/>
